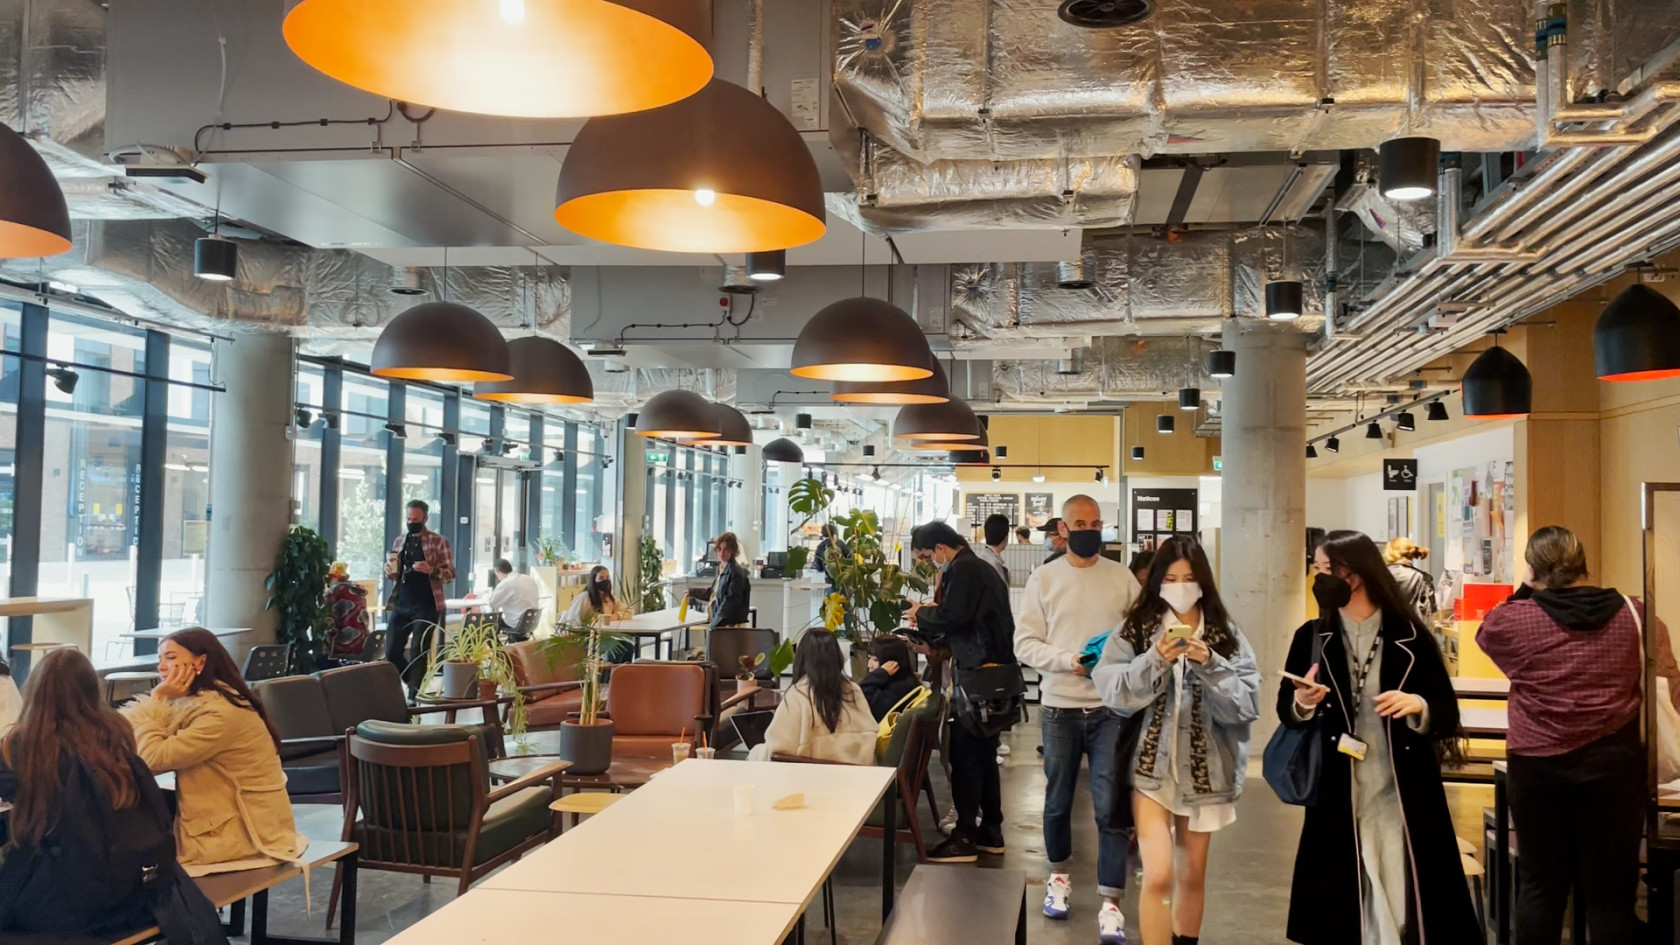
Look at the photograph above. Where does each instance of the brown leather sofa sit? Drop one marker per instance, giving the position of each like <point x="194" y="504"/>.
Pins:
<point x="654" y="704"/>
<point x="550" y="680"/>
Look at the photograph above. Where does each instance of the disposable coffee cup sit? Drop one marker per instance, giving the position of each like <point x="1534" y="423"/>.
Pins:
<point x="391" y="561"/>
<point x="744" y="802"/>
<point x="705" y="754"/>
<point x="679" y="752"/>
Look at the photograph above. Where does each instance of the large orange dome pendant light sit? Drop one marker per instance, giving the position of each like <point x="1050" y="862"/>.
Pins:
<point x="544" y="372"/>
<point x="862" y="339"/>
<point x="719" y="172"/>
<point x="33" y="218"/>
<point x="521" y="58"/>
<point x="442" y="341"/>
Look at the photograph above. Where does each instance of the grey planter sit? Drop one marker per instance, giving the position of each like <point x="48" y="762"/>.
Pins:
<point x="587" y="747"/>
<point x="458" y="679"/>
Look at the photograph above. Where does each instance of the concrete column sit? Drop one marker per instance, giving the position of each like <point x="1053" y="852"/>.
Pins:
<point x="632" y="506"/>
<point x="250" y="479"/>
<point x="1264" y="520"/>
<point x="746" y="504"/>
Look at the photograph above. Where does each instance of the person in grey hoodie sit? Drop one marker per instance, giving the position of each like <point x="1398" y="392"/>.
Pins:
<point x="1180" y="661"/>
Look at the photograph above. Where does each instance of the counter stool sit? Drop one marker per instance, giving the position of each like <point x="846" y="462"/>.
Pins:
<point x="579" y="804"/>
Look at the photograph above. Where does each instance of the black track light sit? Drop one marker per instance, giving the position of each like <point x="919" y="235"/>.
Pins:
<point x="1332" y="445"/>
<point x="1437" y="411"/>
<point x="868" y="450"/>
<point x="1137" y="454"/>
<point x="740" y="450"/>
<point x="1405" y="422"/>
<point x="996" y="474"/>
<point x="1373" y="431"/>
<point x="302" y="418"/>
<point x="1312" y="451"/>
<point x="1221" y="363"/>
<point x="768" y="266"/>
<point x="398" y="430"/>
<point x="1164" y="423"/>
<point x="1002" y="452"/>
<point x="331" y="420"/>
<point x="802" y="421"/>
<point x="1100" y="477"/>
<point x="64" y="379"/>
<point x="448" y="438"/>
<point x="877" y="474"/>
<point x="631" y="418"/>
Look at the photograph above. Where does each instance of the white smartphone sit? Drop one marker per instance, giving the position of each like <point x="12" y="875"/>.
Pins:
<point x="1300" y="679"/>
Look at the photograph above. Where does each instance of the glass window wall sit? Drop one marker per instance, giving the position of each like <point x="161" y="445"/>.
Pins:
<point x="361" y="475"/>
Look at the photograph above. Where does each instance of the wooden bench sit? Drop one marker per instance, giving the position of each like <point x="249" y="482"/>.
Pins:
<point x="959" y="905"/>
<point x="232" y="889"/>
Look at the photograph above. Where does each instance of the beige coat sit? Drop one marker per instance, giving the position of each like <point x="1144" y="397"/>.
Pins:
<point x="234" y="812"/>
<point x="796" y="728"/>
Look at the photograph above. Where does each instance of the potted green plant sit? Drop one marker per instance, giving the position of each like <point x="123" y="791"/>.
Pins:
<point x="587" y="742"/>
<point x="476" y="655"/>
<point x="808" y="498"/>
<point x="643" y="593"/>
<point x="776" y="661"/>
<point x="295" y="589"/>
<point x="869" y="585"/>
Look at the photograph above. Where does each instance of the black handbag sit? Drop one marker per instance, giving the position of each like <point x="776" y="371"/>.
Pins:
<point x="1295" y="756"/>
<point x="988" y="700"/>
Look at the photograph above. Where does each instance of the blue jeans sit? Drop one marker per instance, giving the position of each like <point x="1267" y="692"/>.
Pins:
<point x="1069" y="736"/>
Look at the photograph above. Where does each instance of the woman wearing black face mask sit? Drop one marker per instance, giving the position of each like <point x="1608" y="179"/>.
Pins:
<point x="1378" y="862"/>
<point x="597" y="598"/>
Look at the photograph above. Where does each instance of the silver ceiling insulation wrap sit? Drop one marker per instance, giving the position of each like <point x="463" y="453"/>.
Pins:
<point x="1113" y="369"/>
<point x="1144" y="285"/>
<point x="144" y="269"/>
<point x="52" y="71"/>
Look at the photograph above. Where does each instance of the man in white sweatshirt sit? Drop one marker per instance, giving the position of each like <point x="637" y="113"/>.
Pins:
<point x="1067" y="602"/>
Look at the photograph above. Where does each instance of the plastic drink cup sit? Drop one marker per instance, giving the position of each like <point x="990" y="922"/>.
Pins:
<point x="705" y="754"/>
<point x="679" y="752"/>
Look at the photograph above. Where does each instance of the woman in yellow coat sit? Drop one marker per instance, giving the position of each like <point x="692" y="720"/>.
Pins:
<point x="203" y="723"/>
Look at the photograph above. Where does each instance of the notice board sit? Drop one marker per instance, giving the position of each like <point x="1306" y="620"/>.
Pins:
<point x="1159" y="514"/>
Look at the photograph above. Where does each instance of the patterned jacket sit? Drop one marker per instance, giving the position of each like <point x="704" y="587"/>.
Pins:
<point x="438" y="555"/>
<point x="1219" y="702"/>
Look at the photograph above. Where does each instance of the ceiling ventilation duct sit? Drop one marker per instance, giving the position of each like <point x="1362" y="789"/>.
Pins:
<point x="1074" y="363"/>
<point x="1113" y="369"/>
<point x="1143" y="285"/>
<point x="1104" y="14"/>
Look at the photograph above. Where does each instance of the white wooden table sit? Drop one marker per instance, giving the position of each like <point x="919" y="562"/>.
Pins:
<point x="1469" y="687"/>
<point x="158" y="633"/>
<point x="501" y="917"/>
<point x="657" y="625"/>
<point x="687" y="814"/>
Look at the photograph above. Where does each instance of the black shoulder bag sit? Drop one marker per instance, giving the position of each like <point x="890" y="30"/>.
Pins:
<point x="988" y="700"/>
<point x="1295" y="755"/>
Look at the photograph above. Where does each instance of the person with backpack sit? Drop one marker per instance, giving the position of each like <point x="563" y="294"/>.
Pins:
<point x="892" y="675"/>
<point x="824" y="714"/>
<point x="91" y="850"/>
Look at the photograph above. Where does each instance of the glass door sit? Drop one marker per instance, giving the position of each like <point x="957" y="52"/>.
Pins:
<point x="498" y="515"/>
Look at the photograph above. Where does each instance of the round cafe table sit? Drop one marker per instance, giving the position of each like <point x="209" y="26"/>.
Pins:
<point x="533" y="750"/>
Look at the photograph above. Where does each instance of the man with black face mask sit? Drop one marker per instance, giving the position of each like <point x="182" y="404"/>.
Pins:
<point x="419" y="565"/>
<point x="1066" y="603"/>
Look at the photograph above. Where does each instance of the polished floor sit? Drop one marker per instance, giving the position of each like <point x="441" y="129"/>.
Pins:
<point x="1248" y="875"/>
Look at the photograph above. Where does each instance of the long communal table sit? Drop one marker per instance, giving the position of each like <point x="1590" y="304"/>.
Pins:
<point x="659" y="626"/>
<point x="673" y="859"/>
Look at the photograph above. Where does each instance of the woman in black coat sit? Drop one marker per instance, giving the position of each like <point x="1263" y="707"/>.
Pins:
<point x="731" y="595"/>
<point x="892" y="675"/>
<point x="1378" y="862"/>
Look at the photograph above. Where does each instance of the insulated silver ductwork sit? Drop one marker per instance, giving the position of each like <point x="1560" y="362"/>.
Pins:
<point x="1112" y="369"/>
<point x="1144" y="285"/>
<point x="144" y="269"/>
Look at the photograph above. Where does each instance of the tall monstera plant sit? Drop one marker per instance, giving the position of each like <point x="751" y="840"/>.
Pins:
<point x="806" y="498"/>
<point x="869" y="584"/>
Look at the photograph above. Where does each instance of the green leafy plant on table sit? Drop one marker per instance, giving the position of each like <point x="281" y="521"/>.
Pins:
<point x="550" y="552"/>
<point x="869" y="583"/>
<point x="295" y="590"/>
<point x="586" y="743"/>
<point x="808" y="497"/>
<point x="479" y="643"/>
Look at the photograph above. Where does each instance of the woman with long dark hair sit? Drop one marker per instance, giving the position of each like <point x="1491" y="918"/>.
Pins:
<point x="892" y="674"/>
<point x="203" y="723"/>
<point x="597" y="598"/>
<point x="1378" y="862"/>
<point x="90" y="850"/>
<point x="824" y="714"/>
<point x="1180" y="661"/>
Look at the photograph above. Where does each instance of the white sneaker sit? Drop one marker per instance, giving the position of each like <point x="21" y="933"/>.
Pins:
<point x="948" y="823"/>
<point x="1056" y="893"/>
<point x="1003" y="751"/>
<point x="1111" y="925"/>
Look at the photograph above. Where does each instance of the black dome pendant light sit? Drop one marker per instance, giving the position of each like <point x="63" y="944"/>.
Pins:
<point x="34" y="220"/>
<point x="733" y="429"/>
<point x="1137" y="453"/>
<point x="933" y="389"/>
<point x="1189" y="398"/>
<point x="1164" y="423"/>
<point x="951" y="421"/>
<point x="862" y="339"/>
<point x="1497" y="386"/>
<point x="678" y="415"/>
<point x="1638" y="337"/>
<point x="1221" y="363"/>
<point x="544" y="372"/>
<point x="441" y="341"/>
<point x="783" y="450"/>
<point x="1284" y="300"/>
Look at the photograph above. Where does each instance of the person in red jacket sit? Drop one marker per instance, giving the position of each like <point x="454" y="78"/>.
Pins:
<point x="1574" y="655"/>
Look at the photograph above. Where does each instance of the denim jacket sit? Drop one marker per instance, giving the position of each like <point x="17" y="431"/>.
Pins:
<point x="1215" y="711"/>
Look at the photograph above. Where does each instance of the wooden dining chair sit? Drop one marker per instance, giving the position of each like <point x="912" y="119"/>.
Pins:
<point x="417" y="799"/>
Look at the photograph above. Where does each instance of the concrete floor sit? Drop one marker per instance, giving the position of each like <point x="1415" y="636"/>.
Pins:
<point x="1248" y="873"/>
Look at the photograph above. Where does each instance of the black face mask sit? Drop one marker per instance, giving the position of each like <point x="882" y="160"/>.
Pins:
<point x="1331" y="592"/>
<point x="1084" y="542"/>
<point x="604" y="587"/>
<point x="415" y="527"/>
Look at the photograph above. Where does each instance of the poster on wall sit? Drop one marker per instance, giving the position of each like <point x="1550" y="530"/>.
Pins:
<point x="1159" y="514"/>
<point x="982" y="505"/>
<point x="1038" y="508"/>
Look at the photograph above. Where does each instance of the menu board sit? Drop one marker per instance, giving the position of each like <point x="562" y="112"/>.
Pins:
<point x="982" y="505"/>
<point x="1159" y="514"/>
<point x="1038" y="508"/>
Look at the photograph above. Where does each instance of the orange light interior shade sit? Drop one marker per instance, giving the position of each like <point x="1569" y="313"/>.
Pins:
<point x="517" y="398"/>
<point x="1495" y="416"/>
<point x="867" y="373"/>
<point x="24" y="242"/>
<point x="1641" y="375"/>
<point x="440" y="374"/>
<point x="523" y="58"/>
<point x="708" y="436"/>
<point x="872" y="397"/>
<point x="673" y="221"/>
<point x="938" y="437"/>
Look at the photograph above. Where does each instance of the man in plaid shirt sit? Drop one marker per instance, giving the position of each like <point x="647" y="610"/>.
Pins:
<point x="420" y="564"/>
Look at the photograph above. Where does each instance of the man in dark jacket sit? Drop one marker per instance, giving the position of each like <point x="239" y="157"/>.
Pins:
<point x="970" y="617"/>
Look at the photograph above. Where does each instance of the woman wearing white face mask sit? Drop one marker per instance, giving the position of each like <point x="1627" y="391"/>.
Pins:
<point x="1180" y="661"/>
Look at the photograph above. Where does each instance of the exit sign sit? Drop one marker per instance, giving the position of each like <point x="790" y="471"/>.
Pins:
<point x="1218" y="464"/>
<point x="658" y="457"/>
